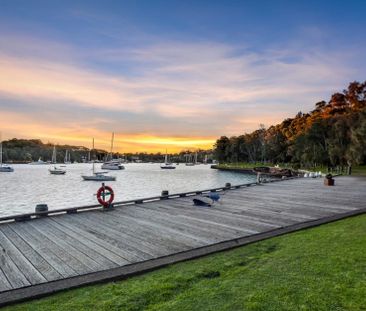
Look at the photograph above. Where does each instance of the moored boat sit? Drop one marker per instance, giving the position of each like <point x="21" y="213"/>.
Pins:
<point x="167" y="165"/>
<point x="39" y="162"/>
<point x="57" y="171"/>
<point x="4" y="167"/>
<point x="98" y="176"/>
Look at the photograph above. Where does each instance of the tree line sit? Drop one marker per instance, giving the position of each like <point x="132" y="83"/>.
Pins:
<point x="28" y="150"/>
<point x="333" y="134"/>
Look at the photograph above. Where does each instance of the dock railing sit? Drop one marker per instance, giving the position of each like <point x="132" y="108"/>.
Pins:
<point x="73" y="210"/>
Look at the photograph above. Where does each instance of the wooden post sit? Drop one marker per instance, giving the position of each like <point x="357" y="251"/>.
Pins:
<point x="349" y="170"/>
<point x="259" y="178"/>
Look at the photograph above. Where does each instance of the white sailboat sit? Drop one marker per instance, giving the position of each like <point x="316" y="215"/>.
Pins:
<point x="4" y="167"/>
<point x="189" y="160"/>
<point x="54" y="158"/>
<point x="112" y="164"/>
<point x="98" y="176"/>
<point x="67" y="157"/>
<point x="56" y="170"/>
<point x="167" y="165"/>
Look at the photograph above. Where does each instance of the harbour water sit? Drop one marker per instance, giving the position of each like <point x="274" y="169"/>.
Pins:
<point x="29" y="185"/>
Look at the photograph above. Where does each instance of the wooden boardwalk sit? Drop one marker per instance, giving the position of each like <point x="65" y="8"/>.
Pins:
<point x="51" y="253"/>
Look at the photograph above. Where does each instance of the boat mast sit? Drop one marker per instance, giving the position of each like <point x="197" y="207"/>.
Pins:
<point x="1" y="151"/>
<point x="54" y="155"/>
<point x="112" y="146"/>
<point x="166" y="156"/>
<point x="93" y="159"/>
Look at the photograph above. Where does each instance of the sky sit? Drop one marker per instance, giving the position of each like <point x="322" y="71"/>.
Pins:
<point x="170" y="74"/>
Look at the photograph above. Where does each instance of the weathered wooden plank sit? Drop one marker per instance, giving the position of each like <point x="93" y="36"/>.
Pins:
<point x="164" y="241"/>
<point x="196" y="226"/>
<point x="69" y="255"/>
<point x="74" y="240"/>
<point x="242" y="219"/>
<point x="4" y="283"/>
<point x="209" y="216"/>
<point x="23" y="264"/>
<point x="55" y="257"/>
<point x="84" y="262"/>
<point x="15" y="277"/>
<point x="29" y="252"/>
<point x="103" y="247"/>
<point x="136" y="244"/>
<point x="130" y="252"/>
<point x="161" y="226"/>
<point x="328" y="204"/>
<point x="297" y="208"/>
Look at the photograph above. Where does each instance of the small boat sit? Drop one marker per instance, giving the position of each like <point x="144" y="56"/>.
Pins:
<point x="167" y="165"/>
<point x="4" y="167"/>
<point x="112" y="164"/>
<point x="39" y="162"/>
<point x="189" y="161"/>
<point x="57" y="171"/>
<point x="98" y="176"/>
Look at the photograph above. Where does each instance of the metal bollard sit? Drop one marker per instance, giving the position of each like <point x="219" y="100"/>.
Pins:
<point x="164" y="194"/>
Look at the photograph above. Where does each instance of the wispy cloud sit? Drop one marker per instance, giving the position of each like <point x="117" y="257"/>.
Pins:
<point x="191" y="89"/>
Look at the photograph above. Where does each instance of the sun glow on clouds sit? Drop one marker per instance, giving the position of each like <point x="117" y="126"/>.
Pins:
<point x="220" y="89"/>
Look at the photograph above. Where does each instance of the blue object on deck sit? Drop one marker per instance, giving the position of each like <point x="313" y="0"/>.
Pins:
<point x="214" y="196"/>
<point x="200" y="202"/>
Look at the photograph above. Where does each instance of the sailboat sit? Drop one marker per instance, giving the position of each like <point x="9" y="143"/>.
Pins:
<point x="189" y="162"/>
<point x="55" y="170"/>
<point x="67" y="157"/>
<point x="98" y="176"/>
<point x="4" y="167"/>
<point x="112" y="164"/>
<point x="167" y="165"/>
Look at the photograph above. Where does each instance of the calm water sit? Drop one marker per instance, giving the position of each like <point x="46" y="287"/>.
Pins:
<point x="29" y="185"/>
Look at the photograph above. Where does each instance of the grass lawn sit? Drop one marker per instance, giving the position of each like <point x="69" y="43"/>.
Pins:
<point x="323" y="268"/>
<point x="359" y="170"/>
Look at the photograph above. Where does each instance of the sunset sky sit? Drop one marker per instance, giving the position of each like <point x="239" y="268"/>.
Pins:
<point x="170" y="74"/>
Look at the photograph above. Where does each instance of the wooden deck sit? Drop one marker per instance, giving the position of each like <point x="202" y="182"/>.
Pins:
<point x="51" y="253"/>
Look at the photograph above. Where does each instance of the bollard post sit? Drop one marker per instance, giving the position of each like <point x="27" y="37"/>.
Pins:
<point x="228" y="185"/>
<point x="164" y="194"/>
<point x="259" y="178"/>
<point x="41" y="208"/>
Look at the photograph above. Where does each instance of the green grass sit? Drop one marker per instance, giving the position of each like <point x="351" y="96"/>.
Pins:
<point x="323" y="268"/>
<point x="245" y="164"/>
<point x="359" y="170"/>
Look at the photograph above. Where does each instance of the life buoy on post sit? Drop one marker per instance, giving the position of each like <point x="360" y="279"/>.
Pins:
<point x="103" y="193"/>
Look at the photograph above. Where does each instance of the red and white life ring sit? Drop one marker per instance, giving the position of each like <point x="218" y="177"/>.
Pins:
<point x="103" y="193"/>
